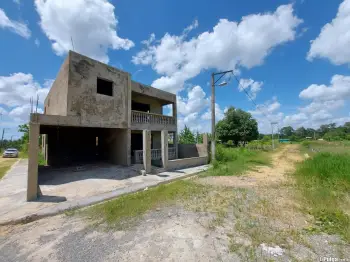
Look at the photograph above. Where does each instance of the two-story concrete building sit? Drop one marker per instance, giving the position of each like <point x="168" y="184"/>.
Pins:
<point x="95" y="112"/>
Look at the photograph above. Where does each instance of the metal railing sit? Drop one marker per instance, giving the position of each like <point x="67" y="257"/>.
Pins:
<point x="156" y="154"/>
<point x="171" y="153"/>
<point x="138" y="117"/>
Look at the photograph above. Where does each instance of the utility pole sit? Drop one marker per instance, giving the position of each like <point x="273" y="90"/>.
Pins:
<point x="273" y="142"/>
<point x="213" y="82"/>
<point x="2" y="137"/>
<point x="213" y="118"/>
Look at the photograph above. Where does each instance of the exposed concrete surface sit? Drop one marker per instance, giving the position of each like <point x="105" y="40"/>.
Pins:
<point x="68" y="189"/>
<point x="171" y="234"/>
<point x="187" y="162"/>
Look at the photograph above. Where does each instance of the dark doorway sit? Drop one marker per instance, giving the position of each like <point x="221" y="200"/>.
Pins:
<point x="140" y="107"/>
<point x="136" y="142"/>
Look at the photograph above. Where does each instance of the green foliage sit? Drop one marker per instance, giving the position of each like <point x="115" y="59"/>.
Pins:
<point x="186" y="136"/>
<point x="329" y="132"/>
<point x="230" y="143"/>
<point x="234" y="161"/>
<point x="237" y="125"/>
<point x="324" y="181"/>
<point x="25" y="137"/>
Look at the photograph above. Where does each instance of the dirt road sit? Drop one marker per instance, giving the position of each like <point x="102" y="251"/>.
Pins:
<point x="256" y="218"/>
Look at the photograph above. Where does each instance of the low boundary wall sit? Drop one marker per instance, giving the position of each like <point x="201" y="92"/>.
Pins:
<point x="187" y="162"/>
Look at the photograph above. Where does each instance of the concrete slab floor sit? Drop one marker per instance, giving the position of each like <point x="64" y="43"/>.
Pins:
<point x="67" y="188"/>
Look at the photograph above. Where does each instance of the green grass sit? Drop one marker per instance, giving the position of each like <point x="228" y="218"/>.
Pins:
<point x="125" y="210"/>
<point x="324" y="181"/>
<point x="235" y="161"/>
<point x="5" y="165"/>
<point x="41" y="160"/>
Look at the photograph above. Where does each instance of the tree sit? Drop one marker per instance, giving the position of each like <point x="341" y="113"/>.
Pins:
<point x="186" y="136"/>
<point x="237" y="125"/>
<point x="300" y="132"/>
<point x="286" y="131"/>
<point x="25" y="130"/>
<point x="199" y="138"/>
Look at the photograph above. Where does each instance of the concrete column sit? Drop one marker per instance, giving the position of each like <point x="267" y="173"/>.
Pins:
<point x="46" y="156"/>
<point x="43" y="144"/>
<point x="164" y="138"/>
<point x="205" y="142"/>
<point x="128" y="149"/>
<point x="33" y="150"/>
<point x="147" y="151"/>
<point x="176" y="145"/>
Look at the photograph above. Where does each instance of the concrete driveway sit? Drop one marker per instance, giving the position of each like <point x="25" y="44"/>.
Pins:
<point x="68" y="188"/>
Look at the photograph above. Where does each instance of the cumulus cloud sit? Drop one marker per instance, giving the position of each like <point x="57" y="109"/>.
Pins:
<point x="334" y="40"/>
<point x="21" y="113"/>
<point x="196" y="101"/>
<point x="228" y="45"/>
<point x="251" y="86"/>
<point x="325" y="101"/>
<point x="17" y="89"/>
<point x="14" y="26"/>
<point x="90" y="23"/>
<point x="219" y="113"/>
<point x="339" y="89"/>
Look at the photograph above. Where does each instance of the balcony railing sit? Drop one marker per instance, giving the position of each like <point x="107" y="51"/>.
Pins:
<point x="156" y="154"/>
<point x="138" y="117"/>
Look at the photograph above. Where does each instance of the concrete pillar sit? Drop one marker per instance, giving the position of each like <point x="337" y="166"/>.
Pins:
<point x="46" y="156"/>
<point x="164" y="138"/>
<point x="33" y="150"/>
<point x="205" y="143"/>
<point x="147" y="151"/>
<point x="175" y="137"/>
<point x="128" y="149"/>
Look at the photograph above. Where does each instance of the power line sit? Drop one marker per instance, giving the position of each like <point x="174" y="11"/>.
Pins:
<point x="250" y="98"/>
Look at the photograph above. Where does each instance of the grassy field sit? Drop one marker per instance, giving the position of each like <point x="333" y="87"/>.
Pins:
<point x="324" y="183"/>
<point x="235" y="161"/>
<point x="5" y="165"/>
<point x="126" y="209"/>
<point x="123" y="211"/>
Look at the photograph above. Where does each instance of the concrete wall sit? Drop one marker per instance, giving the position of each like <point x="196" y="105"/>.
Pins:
<point x="156" y="139"/>
<point x="192" y="150"/>
<point x="118" y="143"/>
<point x="187" y="162"/>
<point x="151" y="91"/>
<point x="56" y="100"/>
<point x="83" y="99"/>
<point x="156" y="105"/>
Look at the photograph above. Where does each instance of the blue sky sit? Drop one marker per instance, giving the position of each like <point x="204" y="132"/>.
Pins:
<point x="292" y="56"/>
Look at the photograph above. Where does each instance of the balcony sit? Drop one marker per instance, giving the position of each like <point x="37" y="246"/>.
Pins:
<point x="142" y="120"/>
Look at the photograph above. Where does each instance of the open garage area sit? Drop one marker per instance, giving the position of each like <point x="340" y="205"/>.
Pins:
<point x="69" y="146"/>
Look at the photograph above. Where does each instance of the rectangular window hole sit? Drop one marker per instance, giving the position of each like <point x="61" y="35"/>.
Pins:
<point x="104" y="87"/>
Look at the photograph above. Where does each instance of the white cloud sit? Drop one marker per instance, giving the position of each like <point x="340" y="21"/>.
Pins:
<point x="251" y="86"/>
<point x="334" y="40"/>
<point x="230" y="44"/>
<point x="15" y="26"/>
<point x="339" y="89"/>
<point x="195" y="101"/>
<point x="17" y="89"/>
<point x="37" y="42"/>
<point x="21" y="113"/>
<point x="90" y="23"/>
<point x="327" y="105"/>
<point x="219" y="113"/>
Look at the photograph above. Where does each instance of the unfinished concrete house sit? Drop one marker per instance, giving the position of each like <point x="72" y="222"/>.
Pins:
<point x="94" y="113"/>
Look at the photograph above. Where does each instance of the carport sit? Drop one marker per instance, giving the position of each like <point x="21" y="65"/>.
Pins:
<point x="67" y="144"/>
